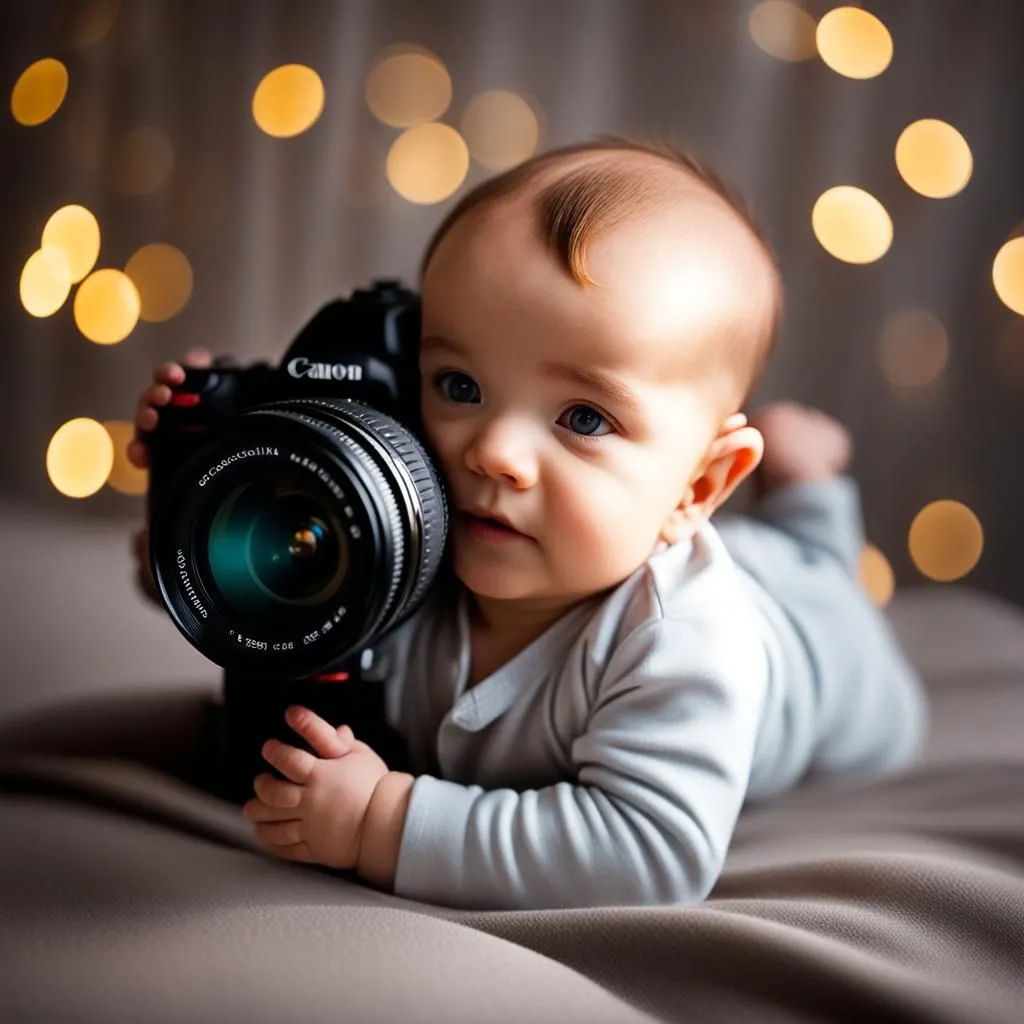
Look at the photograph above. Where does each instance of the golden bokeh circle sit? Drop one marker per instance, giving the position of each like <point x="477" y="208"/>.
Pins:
<point x="163" y="276"/>
<point x="913" y="348"/>
<point x="45" y="281"/>
<point x="1008" y="274"/>
<point x="39" y="91"/>
<point x="426" y="164"/>
<point x="124" y="477"/>
<point x="945" y="541"/>
<point x="76" y="232"/>
<point x="854" y="43"/>
<point x="500" y="128"/>
<point x="408" y="87"/>
<point x="288" y="100"/>
<point x="933" y="158"/>
<point x="79" y="457"/>
<point x="783" y="30"/>
<point x="107" y="306"/>
<point x="852" y="225"/>
<point x="876" y="575"/>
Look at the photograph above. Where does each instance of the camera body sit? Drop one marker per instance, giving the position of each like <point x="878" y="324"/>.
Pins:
<point x="296" y="518"/>
<point x="363" y="348"/>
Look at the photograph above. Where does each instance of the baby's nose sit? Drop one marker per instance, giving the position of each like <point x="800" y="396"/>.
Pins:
<point x="503" y="451"/>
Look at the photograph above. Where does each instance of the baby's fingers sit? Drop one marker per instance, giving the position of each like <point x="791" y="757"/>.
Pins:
<point x="318" y="733"/>
<point x="146" y="416"/>
<point x="256" y="809"/>
<point x="198" y="358"/>
<point x="169" y="373"/>
<point x="299" y="852"/>
<point x="277" y="795"/>
<point x="291" y="762"/>
<point x="286" y="834"/>
<point x="138" y="454"/>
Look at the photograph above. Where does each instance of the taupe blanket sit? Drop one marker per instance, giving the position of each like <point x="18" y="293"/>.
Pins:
<point x="129" y="894"/>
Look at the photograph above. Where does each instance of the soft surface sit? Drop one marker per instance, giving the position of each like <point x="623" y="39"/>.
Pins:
<point x="130" y="894"/>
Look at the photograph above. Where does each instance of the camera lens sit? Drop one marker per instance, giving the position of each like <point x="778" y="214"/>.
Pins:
<point x="272" y="545"/>
<point x="298" y="533"/>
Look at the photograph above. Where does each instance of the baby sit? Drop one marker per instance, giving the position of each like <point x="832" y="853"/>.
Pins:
<point x="615" y="674"/>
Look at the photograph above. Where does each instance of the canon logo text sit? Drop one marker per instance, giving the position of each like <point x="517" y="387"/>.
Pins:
<point x="299" y="367"/>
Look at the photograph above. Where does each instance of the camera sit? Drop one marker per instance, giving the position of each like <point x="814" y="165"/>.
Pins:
<point x="296" y="517"/>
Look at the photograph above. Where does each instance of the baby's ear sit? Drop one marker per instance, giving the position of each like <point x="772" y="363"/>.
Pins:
<point x="730" y="459"/>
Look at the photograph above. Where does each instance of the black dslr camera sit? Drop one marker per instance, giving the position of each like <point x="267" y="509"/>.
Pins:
<point x="296" y="518"/>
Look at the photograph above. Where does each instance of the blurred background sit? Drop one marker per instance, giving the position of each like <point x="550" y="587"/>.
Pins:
<point x="180" y="173"/>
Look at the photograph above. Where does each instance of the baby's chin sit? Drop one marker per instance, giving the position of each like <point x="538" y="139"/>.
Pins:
<point x="498" y="583"/>
<point x="503" y="583"/>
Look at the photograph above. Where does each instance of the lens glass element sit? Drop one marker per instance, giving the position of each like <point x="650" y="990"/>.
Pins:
<point x="274" y="544"/>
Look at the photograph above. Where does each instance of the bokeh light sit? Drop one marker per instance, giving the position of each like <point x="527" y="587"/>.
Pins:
<point x="45" y="281"/>
<point x="1008" y="274"/>
<point x="87" y="22"/>
<point x="500" y="129"/>
<point x="854" y="43"/>
<point x="76" y="232"/>
<point x="933" y="158"/>
<point x="913" y="348"/>
<point x="876" y="575"/>
<point x="408" y="86"/>
<point x="426" y="164"/>
<point x="288" y="100"/>
<point x="79" y="457"/>
<point x="124" y="477"/>
<point x="852" y="224"/>
<point x="163" y="276"/>
<point x="107" y="306"/>
<point x="783" y="30"/>
<point x="39" y="91"/>
<point x="141" y="161"/>
<point x="946" y="540"/>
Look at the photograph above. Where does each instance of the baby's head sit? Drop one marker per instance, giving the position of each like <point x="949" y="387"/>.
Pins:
<point x="592" y="320"/>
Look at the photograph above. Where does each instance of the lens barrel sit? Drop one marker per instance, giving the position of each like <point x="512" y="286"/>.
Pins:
<point x="300" y="533"/>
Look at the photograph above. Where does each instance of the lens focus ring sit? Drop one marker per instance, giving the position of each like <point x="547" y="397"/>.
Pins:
<point x="424" y="495"/>
<point x="391" y="511"/>
<point x="430" y="493"/>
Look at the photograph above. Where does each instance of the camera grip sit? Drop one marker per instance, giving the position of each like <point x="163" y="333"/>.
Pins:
<point x="253" y="712"/>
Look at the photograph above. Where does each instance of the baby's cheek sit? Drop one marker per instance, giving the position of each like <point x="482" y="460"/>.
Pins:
<point x="597" y="532"/>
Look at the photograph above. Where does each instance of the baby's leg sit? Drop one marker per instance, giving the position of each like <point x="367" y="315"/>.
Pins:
<point x="802" y="541"/>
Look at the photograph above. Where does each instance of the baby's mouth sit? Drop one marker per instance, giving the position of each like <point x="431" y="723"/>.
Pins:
<point x="489" y="523"/>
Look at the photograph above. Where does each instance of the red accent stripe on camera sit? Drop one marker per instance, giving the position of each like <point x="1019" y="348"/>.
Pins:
<point x="332" y="677"/>
<point x="185" y="398"/>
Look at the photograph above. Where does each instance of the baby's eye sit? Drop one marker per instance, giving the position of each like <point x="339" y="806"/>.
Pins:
<point x="581" y="419"/>
<point x="457" y="387"/>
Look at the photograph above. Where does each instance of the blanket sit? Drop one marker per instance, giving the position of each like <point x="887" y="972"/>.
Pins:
<point x="128" y="892"/>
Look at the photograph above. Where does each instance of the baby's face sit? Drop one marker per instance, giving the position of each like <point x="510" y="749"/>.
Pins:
<point x="576" y="414"/>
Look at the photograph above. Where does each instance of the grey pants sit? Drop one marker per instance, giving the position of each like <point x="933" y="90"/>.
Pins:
<point x="802" y="543"/>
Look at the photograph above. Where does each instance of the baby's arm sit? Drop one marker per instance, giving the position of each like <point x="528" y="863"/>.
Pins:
<point x="662" y="773"/>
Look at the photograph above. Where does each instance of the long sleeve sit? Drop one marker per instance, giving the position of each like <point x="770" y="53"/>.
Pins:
<point x="661" y="773"/>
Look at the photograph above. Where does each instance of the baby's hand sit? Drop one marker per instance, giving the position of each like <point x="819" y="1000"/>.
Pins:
<point x="317" y="816"/>
<point x="156" y="395"/>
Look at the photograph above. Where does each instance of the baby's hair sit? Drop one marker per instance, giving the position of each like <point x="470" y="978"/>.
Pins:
<point x="578" y="206"/>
